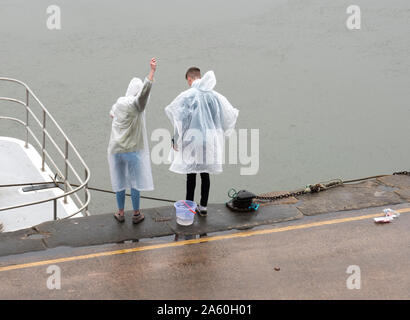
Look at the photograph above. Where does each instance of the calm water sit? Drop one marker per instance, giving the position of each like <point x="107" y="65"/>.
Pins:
<point x="329" y="102"/>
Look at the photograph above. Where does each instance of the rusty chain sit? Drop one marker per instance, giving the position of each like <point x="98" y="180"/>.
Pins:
<point x="309" y="189"/>
<point x="405" y="173"/>
<point x="320" y="187"/>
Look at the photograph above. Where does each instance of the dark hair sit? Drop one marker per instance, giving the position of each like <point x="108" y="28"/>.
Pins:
<point x="193" y="72"/>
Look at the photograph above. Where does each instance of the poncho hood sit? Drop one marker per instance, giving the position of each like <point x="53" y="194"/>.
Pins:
<point x="206" y="83"/>
<point x="128" y="124"/>
<point x="134" y="87"/>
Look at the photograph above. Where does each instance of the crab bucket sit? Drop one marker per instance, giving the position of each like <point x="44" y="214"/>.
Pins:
<point x="185" y="211"/>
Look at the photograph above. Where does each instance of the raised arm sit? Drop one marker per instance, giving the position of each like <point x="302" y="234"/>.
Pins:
<point x="142" y="97"/>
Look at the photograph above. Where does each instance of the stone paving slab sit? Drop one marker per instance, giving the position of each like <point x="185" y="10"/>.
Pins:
<point x="372" y="193"/>
<point x="20" y="241"/>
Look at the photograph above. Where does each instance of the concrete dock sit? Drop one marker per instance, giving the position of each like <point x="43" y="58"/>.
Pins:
<point x="299" y="248"/>
<point x="161" y="222"/>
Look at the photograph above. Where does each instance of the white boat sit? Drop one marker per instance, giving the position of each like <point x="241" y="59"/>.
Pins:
<point x="33" y="187"/>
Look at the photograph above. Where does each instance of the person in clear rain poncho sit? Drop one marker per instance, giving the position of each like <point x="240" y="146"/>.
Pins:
<point x="201" y="118"/>
<point x="128" y="152"/>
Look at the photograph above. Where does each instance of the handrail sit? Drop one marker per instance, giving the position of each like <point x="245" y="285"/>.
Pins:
<point x="45" y="155"/>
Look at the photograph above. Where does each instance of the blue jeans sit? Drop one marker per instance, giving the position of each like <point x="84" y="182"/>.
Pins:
<point x="135" y="198"/>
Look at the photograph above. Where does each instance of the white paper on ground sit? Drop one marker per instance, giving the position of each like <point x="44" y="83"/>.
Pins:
<point x="390" y="215"/>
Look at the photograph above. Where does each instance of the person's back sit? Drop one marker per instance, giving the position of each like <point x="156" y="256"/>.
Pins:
<point x="201" y="118"/>
<point x="128" y="118"/>
<point x="128" y="152"/>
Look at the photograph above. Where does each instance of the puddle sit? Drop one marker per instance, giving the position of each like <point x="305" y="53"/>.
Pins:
<point x="36" y="236"/>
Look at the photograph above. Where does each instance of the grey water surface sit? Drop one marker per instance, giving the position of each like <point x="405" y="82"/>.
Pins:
<point x="329" y="102"/>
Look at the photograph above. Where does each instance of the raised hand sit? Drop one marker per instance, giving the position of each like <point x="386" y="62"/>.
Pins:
<point x="153" y="64"/>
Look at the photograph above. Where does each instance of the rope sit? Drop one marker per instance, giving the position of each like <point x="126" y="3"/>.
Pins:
<point x="368" y="178"/>
<point x="144" y="197"/>
<point x="75" y="185"/>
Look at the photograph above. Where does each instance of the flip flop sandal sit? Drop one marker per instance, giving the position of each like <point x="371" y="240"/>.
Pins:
<point x="137" y="218"/>
<point x="119" y="217"/>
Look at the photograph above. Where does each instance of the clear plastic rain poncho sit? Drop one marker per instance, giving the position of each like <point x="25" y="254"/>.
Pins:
<point x="128" y="151"/>
<point x="202" y="118"/>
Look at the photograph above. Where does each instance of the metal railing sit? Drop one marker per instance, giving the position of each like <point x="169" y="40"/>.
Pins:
<point x="46" y="156"/>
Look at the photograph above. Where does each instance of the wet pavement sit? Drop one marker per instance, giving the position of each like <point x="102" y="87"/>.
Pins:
<point x="160" y="222"/>
<point x="300" y="259"/>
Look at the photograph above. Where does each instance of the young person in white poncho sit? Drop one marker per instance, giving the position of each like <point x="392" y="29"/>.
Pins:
<point x="128" y="152"/>
<point x="201" y="118"/>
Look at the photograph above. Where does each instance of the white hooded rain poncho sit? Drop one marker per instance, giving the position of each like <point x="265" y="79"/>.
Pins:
<point x="202" y="118"/>
<point x="128" y="151"/>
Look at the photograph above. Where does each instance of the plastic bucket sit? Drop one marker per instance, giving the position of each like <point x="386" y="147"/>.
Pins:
<point x="185" y="211"/>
